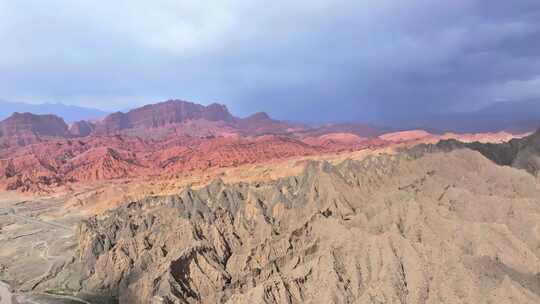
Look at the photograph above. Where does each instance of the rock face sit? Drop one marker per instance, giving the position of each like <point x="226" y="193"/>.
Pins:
<point x="38" y="153"/>
<point x="172" y="117"/>
<point x="82" y="128"/>
<point x="23" y="124"/>
<point x="339" y="141"/>
<point x="50" y="164"/>
<point x="162" y="114"/>
<point x="442" y="228"/>
<point x="215" y="118"/>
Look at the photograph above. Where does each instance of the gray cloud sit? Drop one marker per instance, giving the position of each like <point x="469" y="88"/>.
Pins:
<point x="303" y="60"/>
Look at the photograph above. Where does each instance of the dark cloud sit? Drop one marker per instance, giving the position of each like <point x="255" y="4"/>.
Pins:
<point x="302" y="60"/>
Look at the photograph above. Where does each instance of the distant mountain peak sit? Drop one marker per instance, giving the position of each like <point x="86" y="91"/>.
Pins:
<point x="259" y="116"/>
<point x="69" y="113"/>
<point x="32" y="124"/>
<point x="161" y="114"/>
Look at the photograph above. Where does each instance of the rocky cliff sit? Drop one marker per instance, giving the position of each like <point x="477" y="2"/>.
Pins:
<point x="162" y="114"/>
<point x="522" y="153"/>
<point x="24" y="124"/>
<point x="438" y="228"/>
<point x="82" y="128"/>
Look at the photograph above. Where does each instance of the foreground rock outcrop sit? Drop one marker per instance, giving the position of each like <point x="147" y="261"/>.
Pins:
<point x="436" y="228"/>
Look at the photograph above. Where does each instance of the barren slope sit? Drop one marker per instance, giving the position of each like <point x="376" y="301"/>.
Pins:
<point x="443" y="228"/>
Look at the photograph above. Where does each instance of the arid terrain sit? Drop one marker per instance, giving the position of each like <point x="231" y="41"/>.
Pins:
<point x="181" y="203"/>
<point x="270" y="152"/>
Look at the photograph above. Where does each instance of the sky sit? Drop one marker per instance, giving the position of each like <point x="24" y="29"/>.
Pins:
<point x="309" y="61"/>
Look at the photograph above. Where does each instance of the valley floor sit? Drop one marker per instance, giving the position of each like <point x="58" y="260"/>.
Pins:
<point x="36" y="236"/>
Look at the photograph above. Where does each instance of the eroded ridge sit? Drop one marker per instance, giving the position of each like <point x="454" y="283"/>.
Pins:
<point x="442" y="228"/>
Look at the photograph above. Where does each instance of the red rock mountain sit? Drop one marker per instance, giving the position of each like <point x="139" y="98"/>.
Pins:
<point x="193" y="119"/>
<point x="171" y="118"/>
<point x="162" y="114"/>
<point x="39" y="152"/>
<point x="57" y="161"/>
<point x="25" y="124"/>
<point x="82" y="128"/>
<point x="164" y="119"/>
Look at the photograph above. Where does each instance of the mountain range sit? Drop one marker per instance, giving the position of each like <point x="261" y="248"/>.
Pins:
<point x="172" y="117"/>
<point x="177" y="202"/>
<point x="420" y="226"/>
<point x="514" y="116"/>
<point x="39" y="153"/>
<point x="69" y="113"/>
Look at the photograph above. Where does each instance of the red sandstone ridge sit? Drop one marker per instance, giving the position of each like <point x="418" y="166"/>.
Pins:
<point x="161" y="121"/>
<point x="178" y="117"/>
<point x="261" y="123"/>
<point x="230" y="152"/>
<point x="39" y="153"/>
<point x="162" y="114"/>
<point x="82" y="128"/>
<point x="57" y="162"/>
<point x="172" y="118"/>
<point x="337" y="141"/>
<point x="404" y="136"/>
<point x="24" y="124"/>
<point x="103" y="163"/>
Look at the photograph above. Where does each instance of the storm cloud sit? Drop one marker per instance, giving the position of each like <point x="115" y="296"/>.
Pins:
<point x="298" y="60"/>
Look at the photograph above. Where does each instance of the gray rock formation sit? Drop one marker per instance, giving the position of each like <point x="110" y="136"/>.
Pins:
<point x="521" y="153"/>
<point x="441" y="228"/>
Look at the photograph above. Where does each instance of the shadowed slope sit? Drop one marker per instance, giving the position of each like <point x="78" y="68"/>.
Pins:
<point x="523" y="153"/>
